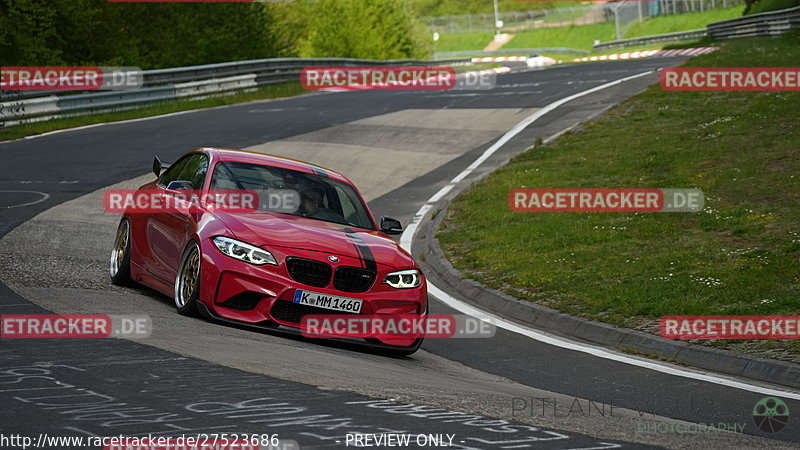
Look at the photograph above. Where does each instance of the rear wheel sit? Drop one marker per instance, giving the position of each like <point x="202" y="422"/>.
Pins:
<point x="187" y="283"/>
<point x="120" y="264"/>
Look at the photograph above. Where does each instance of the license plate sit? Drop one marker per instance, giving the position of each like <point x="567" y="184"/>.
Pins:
<point x="327" y="301"/>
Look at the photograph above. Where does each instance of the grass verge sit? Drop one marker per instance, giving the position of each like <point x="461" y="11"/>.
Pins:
<point x="582" y="37"/>
<point x="739" y="256"/>
<point x="265" y="92"/>
<point x="682" y="22"/>
<point x="458" y="42"/>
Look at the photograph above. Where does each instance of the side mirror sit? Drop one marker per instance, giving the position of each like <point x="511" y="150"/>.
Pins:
<point x="158" y="166"/>
<point x="391" y="226"/>
<point x="180" y="185"/>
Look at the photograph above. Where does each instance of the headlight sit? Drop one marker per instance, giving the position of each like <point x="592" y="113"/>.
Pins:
<point x="245" y="252"/>
<point x="404" y="279"/>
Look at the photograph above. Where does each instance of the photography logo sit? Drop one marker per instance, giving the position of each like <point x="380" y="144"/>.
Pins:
<point x="771" y="414"/>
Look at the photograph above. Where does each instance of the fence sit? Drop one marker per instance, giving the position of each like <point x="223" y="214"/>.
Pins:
<point x="623" y="14"/>
<point x="511" y="51"/>
<point x="515" y="21"/>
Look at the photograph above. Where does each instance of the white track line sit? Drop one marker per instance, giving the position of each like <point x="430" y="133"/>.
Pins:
<point x="408" y="236"/>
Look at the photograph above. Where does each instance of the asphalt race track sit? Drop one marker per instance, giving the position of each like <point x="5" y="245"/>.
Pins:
<point x="193" y="376"/>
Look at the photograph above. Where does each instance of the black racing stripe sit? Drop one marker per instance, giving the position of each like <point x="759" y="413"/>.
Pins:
<point x="367" y="258"/>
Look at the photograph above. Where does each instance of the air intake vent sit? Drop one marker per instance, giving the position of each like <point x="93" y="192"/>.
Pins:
<point x="308" y="271"/>
<point x="353" y="279"/>
<point x="243" y="302"/>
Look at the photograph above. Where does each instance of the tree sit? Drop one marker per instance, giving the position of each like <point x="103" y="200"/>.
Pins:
<point x="369" y="29"/>
<point x="147" y="35"/>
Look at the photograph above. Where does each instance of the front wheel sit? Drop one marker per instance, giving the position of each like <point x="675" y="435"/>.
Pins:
<point x="120" y="264"/>
<point x="187" y="283"/>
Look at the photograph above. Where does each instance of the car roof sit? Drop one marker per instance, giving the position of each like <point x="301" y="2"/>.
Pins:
<point x="227" y="154"/>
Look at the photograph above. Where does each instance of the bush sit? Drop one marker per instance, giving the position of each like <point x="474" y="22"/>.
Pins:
<point x="369" y="29"/>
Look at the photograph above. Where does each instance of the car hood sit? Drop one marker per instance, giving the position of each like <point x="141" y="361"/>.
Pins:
<point x="267" y="229"/>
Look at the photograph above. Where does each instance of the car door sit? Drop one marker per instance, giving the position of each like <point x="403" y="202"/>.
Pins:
<point x="167" y="229"/>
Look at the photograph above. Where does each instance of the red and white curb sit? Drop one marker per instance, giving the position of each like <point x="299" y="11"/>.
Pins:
<point x="488" y="71"/>
<point x="530" y="61"/>
<point x="649" y="54"/>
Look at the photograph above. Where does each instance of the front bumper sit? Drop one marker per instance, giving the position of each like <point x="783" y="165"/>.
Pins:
<point x="262" y="296"/>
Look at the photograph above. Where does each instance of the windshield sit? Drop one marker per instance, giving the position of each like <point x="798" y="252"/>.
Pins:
<point x="291" y="192"/>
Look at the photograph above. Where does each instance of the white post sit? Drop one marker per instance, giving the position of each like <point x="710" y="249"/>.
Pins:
<point x="496" y="18"/>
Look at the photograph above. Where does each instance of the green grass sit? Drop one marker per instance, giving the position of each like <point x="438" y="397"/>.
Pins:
<point x="740" y="255"/>
<point x="682" y="22"/>
<point x="456" y="42"/>
<point x="262" y="93"/>
<point x="576" y="36"/>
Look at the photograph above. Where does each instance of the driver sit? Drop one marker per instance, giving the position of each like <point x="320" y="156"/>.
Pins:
<point x="311" y="199"/>
<point x="312" y="206"/>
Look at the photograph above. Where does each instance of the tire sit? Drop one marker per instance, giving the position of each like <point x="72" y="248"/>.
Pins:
<point x="187" y="281"/>
<point x="119" y="266"/>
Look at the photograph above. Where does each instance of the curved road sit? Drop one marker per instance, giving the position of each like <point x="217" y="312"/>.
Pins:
<point x="193" y="376"/>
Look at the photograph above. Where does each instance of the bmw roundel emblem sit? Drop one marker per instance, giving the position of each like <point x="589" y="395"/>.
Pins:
<point x="333" y="259"/>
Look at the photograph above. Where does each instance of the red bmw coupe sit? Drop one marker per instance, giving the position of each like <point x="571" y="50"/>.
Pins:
<point x="309" y="246"/>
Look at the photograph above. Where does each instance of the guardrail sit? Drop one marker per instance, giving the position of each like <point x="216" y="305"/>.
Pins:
<point x="644" y="40"/>
<point x="511" y="51"/>
<point x="180" y="82"/>
<point x="771" y="23"/>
